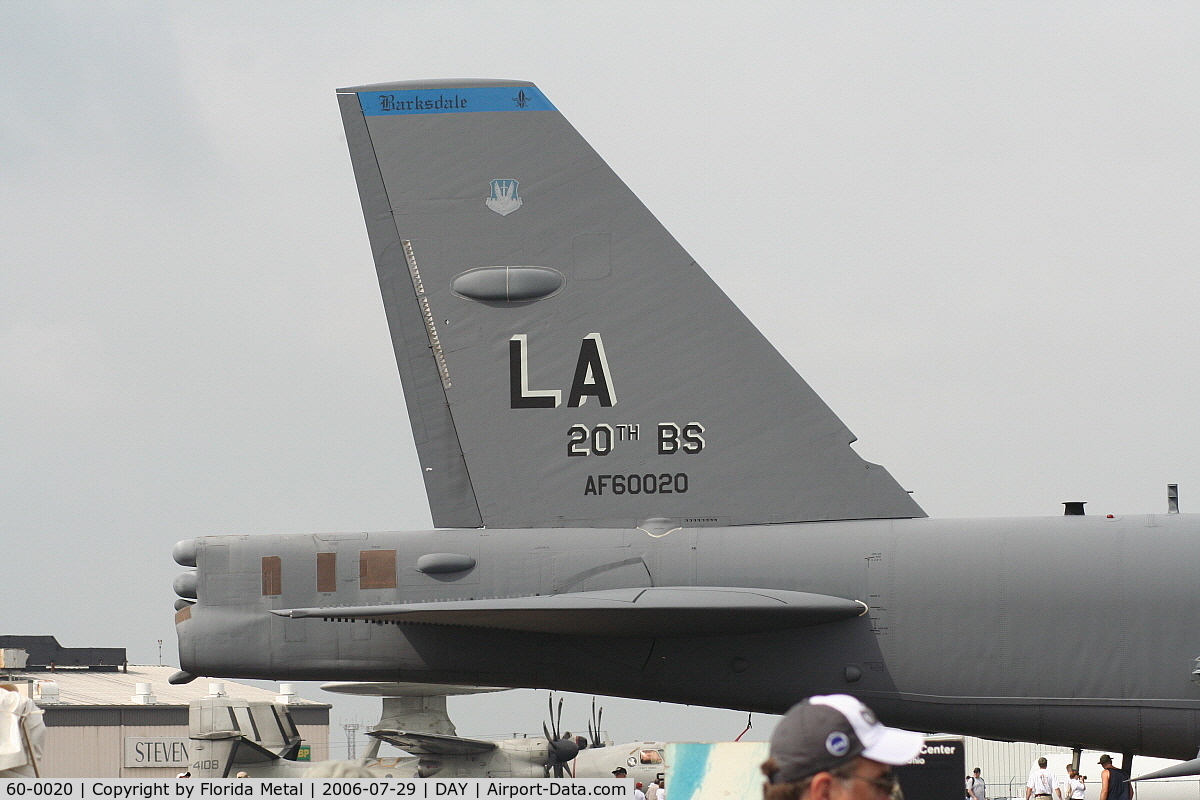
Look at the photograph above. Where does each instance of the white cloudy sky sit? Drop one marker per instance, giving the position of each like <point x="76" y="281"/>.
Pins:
<point x="971" y="226"/>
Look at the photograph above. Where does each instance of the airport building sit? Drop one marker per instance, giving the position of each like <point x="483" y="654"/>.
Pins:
<point x="106" y="718"/>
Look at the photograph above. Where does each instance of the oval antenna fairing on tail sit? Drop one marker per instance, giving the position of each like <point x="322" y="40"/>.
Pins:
<point x="508" y="284"/>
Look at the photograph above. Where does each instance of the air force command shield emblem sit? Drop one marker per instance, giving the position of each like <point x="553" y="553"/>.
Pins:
<point x="504" y="198"/>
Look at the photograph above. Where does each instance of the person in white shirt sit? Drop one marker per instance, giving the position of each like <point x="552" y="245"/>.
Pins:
<point x="22" y="734"/>
<point x="1076" y="787"/>
<point x="638" y="794"/>
<point x="1042" y="782"/>
<point x="976" y="788"/>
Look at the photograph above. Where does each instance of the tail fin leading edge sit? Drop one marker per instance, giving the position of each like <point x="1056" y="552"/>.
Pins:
<point x="565" y="362"/>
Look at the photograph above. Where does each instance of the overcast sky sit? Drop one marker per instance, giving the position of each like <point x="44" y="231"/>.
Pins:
<point x="972" y="227"/>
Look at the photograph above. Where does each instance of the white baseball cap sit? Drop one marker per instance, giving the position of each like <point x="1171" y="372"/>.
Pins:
<point x="826" y="731"/>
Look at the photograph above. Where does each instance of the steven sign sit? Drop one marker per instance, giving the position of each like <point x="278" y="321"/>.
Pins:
<point x="155" y="752"/>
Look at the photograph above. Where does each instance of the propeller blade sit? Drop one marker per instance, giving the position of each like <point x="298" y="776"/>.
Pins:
<point x="591" y="724"/>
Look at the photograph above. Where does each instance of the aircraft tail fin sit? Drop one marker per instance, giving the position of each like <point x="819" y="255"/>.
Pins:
<point x="228" y="733"/>
<point x="565" y="362"/>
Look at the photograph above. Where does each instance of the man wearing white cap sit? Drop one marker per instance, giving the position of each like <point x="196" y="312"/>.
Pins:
<point x="831" y="747"/>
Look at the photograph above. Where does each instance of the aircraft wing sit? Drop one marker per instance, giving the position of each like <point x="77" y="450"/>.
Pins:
<point x="657" y="611"/>
<point x="435" y="744"/>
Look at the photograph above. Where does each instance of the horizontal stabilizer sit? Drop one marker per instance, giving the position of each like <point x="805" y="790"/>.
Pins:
<point x="394" y="689"/>
<point x="248" y="751"/>
<point x="653" y="612"/>
<point x="1185" y="769"/>
<point x="420" y="744"/>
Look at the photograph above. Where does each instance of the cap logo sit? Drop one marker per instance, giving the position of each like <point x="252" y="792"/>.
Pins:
<point x="838" y="744"/>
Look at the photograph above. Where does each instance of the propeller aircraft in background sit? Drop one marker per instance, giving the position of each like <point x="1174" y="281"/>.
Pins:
<point x="230" y="735"/>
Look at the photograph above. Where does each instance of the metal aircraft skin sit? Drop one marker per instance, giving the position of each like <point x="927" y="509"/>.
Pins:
<point x="637" y="496"/>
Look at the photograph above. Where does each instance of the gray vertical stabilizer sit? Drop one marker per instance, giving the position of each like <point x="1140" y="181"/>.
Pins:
<point x="565" y="362"/>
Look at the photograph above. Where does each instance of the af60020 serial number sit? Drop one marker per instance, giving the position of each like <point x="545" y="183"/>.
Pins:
<point x="369" y="789"/>
<point x="650" y="483"/>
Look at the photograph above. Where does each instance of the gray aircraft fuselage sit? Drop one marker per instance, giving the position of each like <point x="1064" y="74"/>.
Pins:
<point x="636" y="493"/>
<point x="1076" y="630"/>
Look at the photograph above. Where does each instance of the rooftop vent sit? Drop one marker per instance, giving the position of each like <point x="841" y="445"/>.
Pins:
<point x="142" y="695"/>
<point x="45" y="692"/>
<point x="13" y="658"/>
<point x="1074" y="508"/>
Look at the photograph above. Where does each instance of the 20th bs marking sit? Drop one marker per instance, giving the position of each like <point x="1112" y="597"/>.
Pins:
<point x="599" y="440"/>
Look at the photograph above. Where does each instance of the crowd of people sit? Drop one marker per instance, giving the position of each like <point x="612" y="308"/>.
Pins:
<point x="832" y="748"/>
<point x="656" y="791"/>
<point x="1043" y="783"/>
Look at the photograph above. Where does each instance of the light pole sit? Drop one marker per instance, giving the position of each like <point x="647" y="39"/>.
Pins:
<point x="351" y="729"/>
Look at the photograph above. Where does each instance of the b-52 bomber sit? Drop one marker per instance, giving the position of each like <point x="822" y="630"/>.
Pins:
<point x="636" y="495"/>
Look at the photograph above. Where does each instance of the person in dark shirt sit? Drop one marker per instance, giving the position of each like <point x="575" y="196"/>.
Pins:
<point x="1114" y="783"/>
